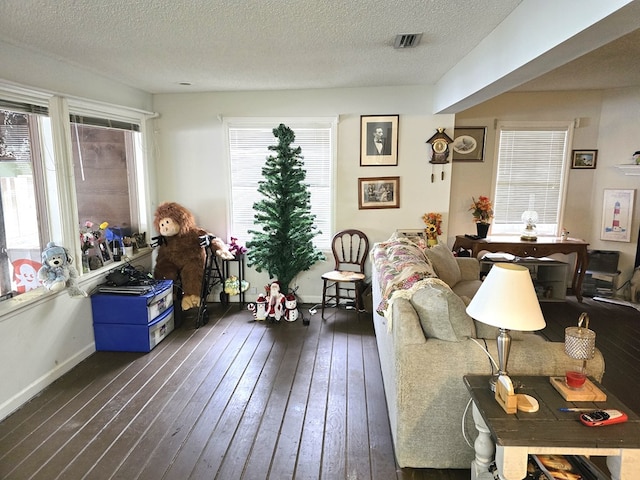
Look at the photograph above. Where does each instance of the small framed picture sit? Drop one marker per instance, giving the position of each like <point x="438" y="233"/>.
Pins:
<point x="617" y="215"/>
<point x="584" y="158"/>
<point x="468" y="144"/>
<point x="103" y="250"/>
<point x="379" y="140"/>
<point x="378" y="192"/>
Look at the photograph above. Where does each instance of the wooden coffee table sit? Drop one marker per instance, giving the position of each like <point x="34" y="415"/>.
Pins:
<point x="511" y="438"/>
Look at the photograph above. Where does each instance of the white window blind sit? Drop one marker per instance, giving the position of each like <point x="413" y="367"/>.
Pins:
<point x="530" y="175"/>
<point x="248" y="151"/>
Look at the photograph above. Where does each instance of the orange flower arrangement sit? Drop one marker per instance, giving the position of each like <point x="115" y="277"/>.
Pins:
<point x="481" y="209"/>
<point x="433" y="221"/>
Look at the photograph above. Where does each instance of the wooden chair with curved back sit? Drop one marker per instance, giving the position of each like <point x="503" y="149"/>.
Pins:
<point x="345" y="281"/>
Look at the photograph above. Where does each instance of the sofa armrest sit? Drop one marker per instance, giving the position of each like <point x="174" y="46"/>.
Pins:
<point x="469" y="268"/>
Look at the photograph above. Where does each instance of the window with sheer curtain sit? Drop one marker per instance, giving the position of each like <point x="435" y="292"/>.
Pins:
<point x="532" y="162"/>
<point x="249" y="141"/>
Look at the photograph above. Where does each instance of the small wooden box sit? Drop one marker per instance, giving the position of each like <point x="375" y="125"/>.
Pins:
<point x="505" y="397"/>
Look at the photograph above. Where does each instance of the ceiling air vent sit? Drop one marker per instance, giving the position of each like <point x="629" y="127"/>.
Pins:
<point x="408" y="40"/>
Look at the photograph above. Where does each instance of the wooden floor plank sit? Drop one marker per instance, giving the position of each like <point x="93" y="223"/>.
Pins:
<point x="200" y="432"/>
<point x="264" y="365"/>
<point x="283" y="464"/>
<point x="335" y="428"/>
<point x="357" y="447"/>
<point x="161" y="409"/>
<point x="246" y="400"/>
<point x="159" y="445"/>
<point x="309" y="457"/>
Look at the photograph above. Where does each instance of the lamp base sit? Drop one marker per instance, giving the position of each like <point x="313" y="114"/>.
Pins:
<point x="493" y="382"/>
<point x="503" y="344"/>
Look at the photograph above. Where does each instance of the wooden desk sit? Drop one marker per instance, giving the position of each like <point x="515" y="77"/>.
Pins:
<point x="512" y="437"/>
<point x="543" y="247"/>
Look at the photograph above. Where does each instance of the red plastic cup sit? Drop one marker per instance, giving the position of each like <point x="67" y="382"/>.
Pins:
<point x="575" y="379"/>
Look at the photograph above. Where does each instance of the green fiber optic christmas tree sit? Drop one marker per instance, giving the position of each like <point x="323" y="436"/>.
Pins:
<point x="284" y="247"/>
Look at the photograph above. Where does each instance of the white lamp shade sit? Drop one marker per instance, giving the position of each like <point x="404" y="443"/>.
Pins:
<point x="507" y="299"/>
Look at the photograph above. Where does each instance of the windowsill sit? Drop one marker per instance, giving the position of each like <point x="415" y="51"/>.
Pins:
<point x="24" y="301"/>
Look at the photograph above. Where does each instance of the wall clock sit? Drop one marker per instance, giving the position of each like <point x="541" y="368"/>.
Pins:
<point x="439" y="150"/>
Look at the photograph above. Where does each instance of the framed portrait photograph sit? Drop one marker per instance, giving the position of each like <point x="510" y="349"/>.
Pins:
<point x="584" y="159"/>
<point x="617" y="215"/>
<point x="468" y="144"/>
<point x="379" y="140"/>
<point x="378" y="192"/>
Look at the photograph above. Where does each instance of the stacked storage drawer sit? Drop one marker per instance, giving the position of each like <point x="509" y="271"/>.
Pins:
<point x="133" y="323"/>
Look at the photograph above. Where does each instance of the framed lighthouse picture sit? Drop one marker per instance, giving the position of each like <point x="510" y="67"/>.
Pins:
<point x="617" y="215"/>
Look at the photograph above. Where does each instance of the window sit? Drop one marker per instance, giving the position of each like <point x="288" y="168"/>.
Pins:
<point x="23" y="218"/>
<point x="63" y="161"/>
<point x="104" y="170"/>
<point x="248" y="149"/>
<point x="531" y="175"/>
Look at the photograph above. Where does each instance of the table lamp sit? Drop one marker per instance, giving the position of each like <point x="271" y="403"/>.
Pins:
<point x="507" y="300"/>
<point x="530" y="232"/>
<point x="579" y="344"/>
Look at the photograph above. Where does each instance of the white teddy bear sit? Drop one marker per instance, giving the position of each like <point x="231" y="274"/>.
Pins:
<point x="57" y="272"/>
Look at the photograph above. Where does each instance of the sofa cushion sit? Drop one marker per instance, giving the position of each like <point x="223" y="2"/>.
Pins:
<point x="444" y="264"/>
<point x="444" y="320"/>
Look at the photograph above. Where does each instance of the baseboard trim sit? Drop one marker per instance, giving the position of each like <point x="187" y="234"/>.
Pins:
<point x="33" y="389"/>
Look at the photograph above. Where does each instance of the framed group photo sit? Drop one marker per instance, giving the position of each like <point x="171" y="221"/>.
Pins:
<point x="617" y="215"/>
<point x="468" y="144"/>
<point x="584" y="159"/>
<point x="378" y="192"/>
<point x="379" y="140"/>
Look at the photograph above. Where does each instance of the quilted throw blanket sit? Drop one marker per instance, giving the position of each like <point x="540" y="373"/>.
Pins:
<point x="402" y="269"/>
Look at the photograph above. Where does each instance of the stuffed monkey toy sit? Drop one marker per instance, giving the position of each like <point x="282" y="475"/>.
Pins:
<point x="180" y="253"/>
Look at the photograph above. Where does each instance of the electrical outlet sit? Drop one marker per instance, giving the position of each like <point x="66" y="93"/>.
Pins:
<point x="253" y="290"/>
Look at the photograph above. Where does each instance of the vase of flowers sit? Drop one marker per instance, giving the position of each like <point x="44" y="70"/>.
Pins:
<point x="482" y="211"/>
<point x="433" y="222"/>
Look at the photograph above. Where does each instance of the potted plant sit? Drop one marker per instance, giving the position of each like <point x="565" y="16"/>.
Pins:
<point x="482" y="211"/>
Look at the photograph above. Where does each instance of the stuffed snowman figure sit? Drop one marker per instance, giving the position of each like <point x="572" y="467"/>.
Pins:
<point x="291" y="308"/>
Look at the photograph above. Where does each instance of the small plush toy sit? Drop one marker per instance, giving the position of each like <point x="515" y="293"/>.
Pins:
<point x="275" y="302"/>
<point x="291" y="308"/>
<point x="57" y="271"/>
<point x="180" y="253"/>
<point x="259" y="308"/>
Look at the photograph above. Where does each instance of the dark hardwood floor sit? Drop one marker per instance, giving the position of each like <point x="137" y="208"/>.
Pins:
<point x="238" y="399"/>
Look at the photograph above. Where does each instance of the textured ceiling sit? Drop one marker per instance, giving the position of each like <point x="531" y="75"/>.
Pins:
<point x="154" y="45"/>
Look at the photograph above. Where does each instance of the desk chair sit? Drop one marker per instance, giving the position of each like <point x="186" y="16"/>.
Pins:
<point x="345" y="281"/>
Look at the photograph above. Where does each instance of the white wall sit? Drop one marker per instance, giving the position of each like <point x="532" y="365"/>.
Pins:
<point x="42" y="338"/>
<point x="192" y="156"/>
<point x="618" y="138"/>
<point x="608" y="122"/>
<point x="29" y="68"/>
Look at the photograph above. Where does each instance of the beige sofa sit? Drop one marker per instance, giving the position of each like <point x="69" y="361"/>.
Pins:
<point x="426" y="344"/>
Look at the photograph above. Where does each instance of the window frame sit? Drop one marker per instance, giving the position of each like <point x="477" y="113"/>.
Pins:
<point x="568" y="126"/>
<point x="293" y="123"/>
<point x="56" y="185"/>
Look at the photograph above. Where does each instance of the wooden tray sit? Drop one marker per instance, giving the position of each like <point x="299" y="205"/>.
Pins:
<point x="588" y="393"/>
